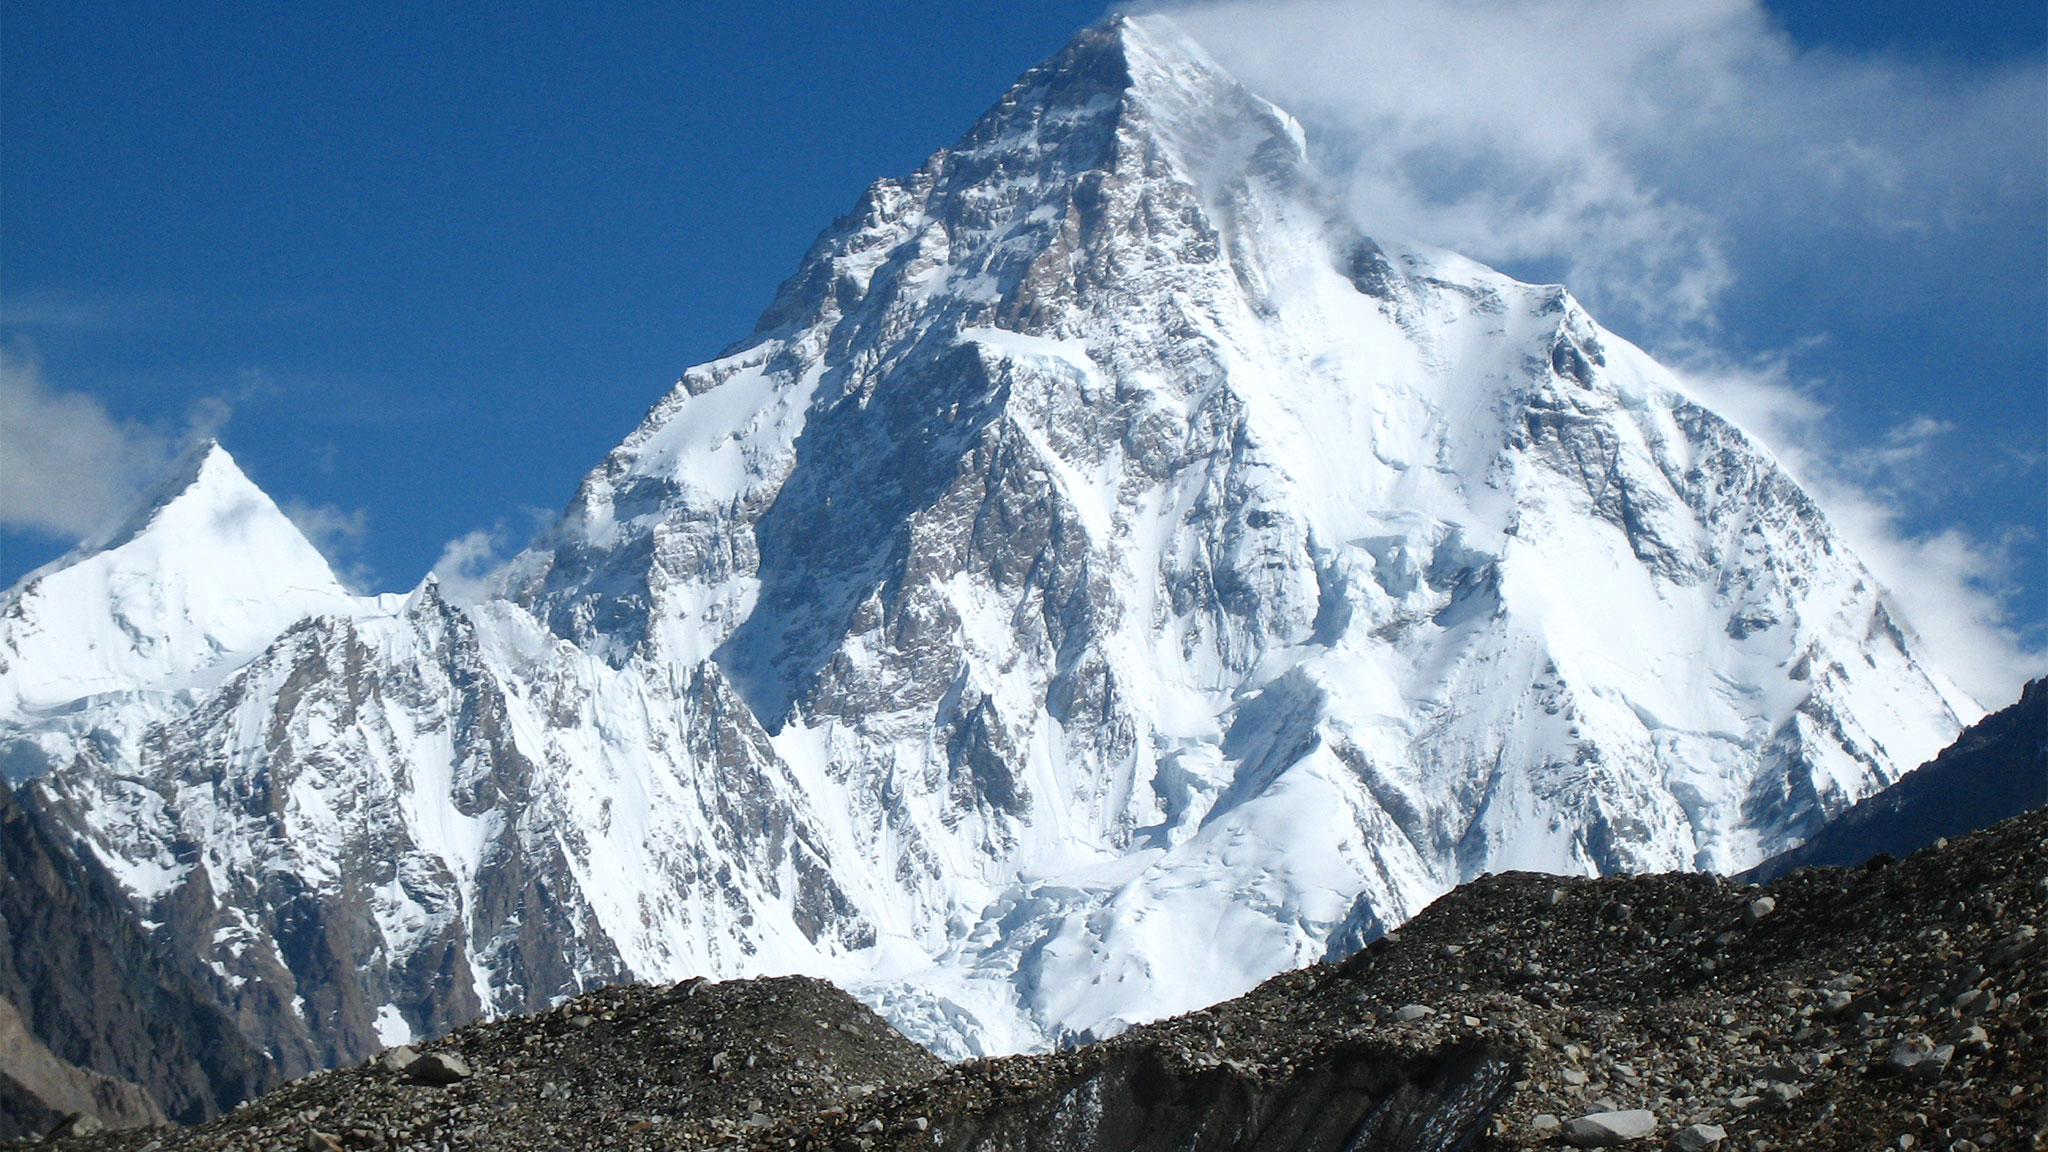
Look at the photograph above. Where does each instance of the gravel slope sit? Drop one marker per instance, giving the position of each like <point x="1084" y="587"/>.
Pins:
<point x="1901" y="1004"/>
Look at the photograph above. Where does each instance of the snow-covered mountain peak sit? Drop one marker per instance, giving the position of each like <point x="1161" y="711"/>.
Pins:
<point x="1104" y="578"/>
<point x="1136" y="73"/>
<point x="1098" y="513"/>
<point x="204" y="574"/>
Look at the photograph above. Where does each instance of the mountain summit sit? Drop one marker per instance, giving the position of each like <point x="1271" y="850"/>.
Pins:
<point x="1105" y="577"/>
<point x="194" y="583"/>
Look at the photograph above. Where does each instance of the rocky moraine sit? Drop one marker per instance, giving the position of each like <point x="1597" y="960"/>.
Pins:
<point x="1902" y="1004"/>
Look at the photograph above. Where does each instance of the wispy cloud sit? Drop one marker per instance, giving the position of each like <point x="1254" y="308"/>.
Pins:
<point x="339" y="533"/>
<point x="467" y="567"/>
<point x="1642" y="151"/>
<point x="67" y="466"/>
<point x="472" y="566"/>
<point x="61" y="313"/>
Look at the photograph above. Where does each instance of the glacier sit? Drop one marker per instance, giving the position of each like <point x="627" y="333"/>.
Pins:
<point x="1105" y="578"/>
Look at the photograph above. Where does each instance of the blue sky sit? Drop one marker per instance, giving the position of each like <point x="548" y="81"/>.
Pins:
<point x="419" y="266"/>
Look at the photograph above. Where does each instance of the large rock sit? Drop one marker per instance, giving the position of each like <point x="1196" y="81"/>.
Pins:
<point x="1607" y="1129"/>
<point x="1698" y="1138"/>
<point x="440" y="1068"/>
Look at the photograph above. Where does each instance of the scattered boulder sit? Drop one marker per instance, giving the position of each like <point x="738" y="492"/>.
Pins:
<point x="1920" y="1058"/>
<point x="1607" y="1129"/>
<point x="1699" y="1138"/>
<point x="2019" y="945"/>
<point x="441" y="1068"/>
<point x="76" y="1124"/>
<point x="1969" y="1040"/>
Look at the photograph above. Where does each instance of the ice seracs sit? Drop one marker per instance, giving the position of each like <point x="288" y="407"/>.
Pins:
<point x="1105" y="578"/>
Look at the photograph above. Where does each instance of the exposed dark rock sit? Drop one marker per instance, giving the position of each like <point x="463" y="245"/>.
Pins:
<point x="39" y="1091"/>
<point x="91" y="988"/>
<point x="1699" y="1138"/>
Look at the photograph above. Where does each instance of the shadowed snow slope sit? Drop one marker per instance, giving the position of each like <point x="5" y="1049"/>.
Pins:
<point x="1105" y="578"/>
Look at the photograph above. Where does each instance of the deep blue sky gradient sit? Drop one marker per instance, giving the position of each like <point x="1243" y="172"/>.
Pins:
<point x="439" y="258"/>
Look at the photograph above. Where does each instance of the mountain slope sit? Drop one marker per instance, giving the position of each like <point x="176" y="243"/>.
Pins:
<point x="80" y="983"/>
<point x="1998" y="768"/>
<point x="1105" y="578"/>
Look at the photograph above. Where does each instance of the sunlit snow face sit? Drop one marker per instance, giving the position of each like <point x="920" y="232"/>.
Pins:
<point x="1756" y="213"/>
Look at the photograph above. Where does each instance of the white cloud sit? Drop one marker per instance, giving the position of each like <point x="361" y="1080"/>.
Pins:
<point x="467" y="566"/>
<point x="55" y="312"/>
<point x="1639" y="150"/>
<point x="70" y="468"/>
<point x="472" y="566"/>
<point x="67" y="466"/>
<point x="339" y="533"/>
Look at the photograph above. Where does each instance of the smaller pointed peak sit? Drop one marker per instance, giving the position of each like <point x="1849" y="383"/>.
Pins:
<point x="186" y="468"/>
<point x="204" y="467"/>
<point x="209" y="454"/>
<point x="426" y="594"/>
<point x="203" y="575"/>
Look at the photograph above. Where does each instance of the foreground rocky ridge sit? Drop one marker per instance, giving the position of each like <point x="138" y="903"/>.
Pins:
<point x="1830" y="1009"/>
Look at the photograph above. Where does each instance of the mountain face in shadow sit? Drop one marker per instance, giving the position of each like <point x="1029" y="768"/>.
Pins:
<point x="1998" y="768"/>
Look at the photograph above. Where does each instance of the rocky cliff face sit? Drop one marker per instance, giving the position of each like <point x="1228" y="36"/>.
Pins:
<point x="1998" y="768"/>
<point x="93" y="1017"/>
<point x="1105" y="578"/>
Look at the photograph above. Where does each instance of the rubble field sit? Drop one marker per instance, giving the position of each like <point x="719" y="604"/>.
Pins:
<point x="1900" y="1005"/>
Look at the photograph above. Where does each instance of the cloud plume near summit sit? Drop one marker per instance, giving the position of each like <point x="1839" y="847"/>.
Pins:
<point x="67" y="465"/>
<point x="1648" y="154"/>
<point x="1685" y="168"/>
